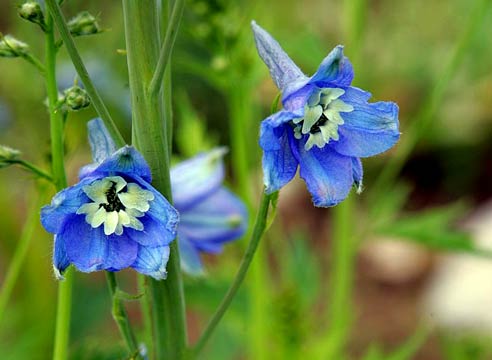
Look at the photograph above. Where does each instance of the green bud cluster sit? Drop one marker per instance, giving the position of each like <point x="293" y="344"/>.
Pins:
<point x="11" y="47"/>
<point x="8" y="156"/>
<point x="83" y="24"/>
<point x="31" y="11"/>
<point x="76" y="98"/>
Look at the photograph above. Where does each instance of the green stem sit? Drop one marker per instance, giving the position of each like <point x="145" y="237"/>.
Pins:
<point x="20" y="253"/>
<point x="120" y="316"/>
<point x="258" y="231"/>
<point x="96" y="99"/>
<point x="31" y="59"/>
<point x="64" y="306"/>
<point x="151" y="138"/>
<point x="166" y="49"/>
<point x="33" y="168"/>
<point x="423" y="119"/>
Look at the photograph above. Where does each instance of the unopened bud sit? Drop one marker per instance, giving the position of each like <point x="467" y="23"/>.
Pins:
<point x="11" y="47"/>
<point x="76" y="98"/>
<point x="7" y="153"/>
<point x="83" y="24"/>
<point x="31" y="11"/>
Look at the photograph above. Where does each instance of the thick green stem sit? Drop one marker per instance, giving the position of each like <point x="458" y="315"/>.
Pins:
<point x="64" y="306"/>
<point x="258" y="231"/>
<point x="99" y="105"/>
<point x="120" y="316"/>
<point x="150" y="137"/>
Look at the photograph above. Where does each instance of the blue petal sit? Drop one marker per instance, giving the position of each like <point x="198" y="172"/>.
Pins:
<point x="219" y="218"/>
<point x="152" y="261"/>
<point x="328" y="175"/>
<point x="162" y="212"/>
<point x="357" y="173"/>
<point x="190" y="257"/>
<point x="335" y="69"/>
<point x="90" y="250"/>
<point x="156" y="232"/>
<point x="102" y="145"/>
<point x="282" y="69"/>
<point x="196" y="178"/>
<point x="63" y="204"/>
<point x="371" y="128"/>
<point x="60" y="258"/>
<point x="279" y="165"/>
<point x="127" y="161"/>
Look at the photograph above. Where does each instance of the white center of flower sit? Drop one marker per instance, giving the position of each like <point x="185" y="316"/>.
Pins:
<point x="321" y="117"/>
<point x="114" y="207"/>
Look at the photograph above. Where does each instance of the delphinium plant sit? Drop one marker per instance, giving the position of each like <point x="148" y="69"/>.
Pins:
<point x="132" y="209"/>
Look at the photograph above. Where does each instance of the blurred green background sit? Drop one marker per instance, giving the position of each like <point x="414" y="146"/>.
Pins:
<point x="418" y="283"/>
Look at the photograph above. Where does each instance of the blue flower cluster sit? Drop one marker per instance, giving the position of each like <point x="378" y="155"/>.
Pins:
<point x="325" y="127"/>
<point x="113" y="218"/>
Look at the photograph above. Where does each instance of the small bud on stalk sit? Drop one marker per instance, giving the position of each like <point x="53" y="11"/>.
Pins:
<point x="84" y="24"/>
<point x="11" y="47"/>
<point x="31" y="11"/>
<point x="76" y="98"/>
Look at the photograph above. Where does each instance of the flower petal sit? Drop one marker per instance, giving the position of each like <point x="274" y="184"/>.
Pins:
<point x="357" y="173"/>
<point x="90" y="250"/>
<point x="328" y="175"/>
<point x="152" y="261"/>
<point x="196" y="178"/>
<point x="189" y="257"/>
<point x="102" y="145"/>
<point x="219" y="218"/>
<point x="127" y="161"/>
<point x="154" y="233"/>
<point x="282" y="69"/>
<point x="279" y="165"/>
<point x="335" y="69"/>
<point x="63" y="204"/>
<point x="370" y="129"/>
<point x="60" y="258"/>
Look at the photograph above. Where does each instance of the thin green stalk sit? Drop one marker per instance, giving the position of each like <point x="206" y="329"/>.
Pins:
<point x="31" y="59"/>
<point x="150" y="137"/>
<point x="145" y="309"/>
<point x="33" y="168"/>
<point x="166" y="49"/>
<point x="20" y="253"/>
<point x="121" y="317"/>
<point x="96" y="99"/>
<point x="258" y="231"/>
<point x="424" y="117"/>
<point x="64" y="305"/>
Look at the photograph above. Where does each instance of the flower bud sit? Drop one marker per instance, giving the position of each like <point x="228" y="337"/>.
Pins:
<point x="7" y="155"/>
<point x="76" y="98"/>
<point x="83" y="24"/>
<point x="31" y="11"/>
<point x="11" y="47"/>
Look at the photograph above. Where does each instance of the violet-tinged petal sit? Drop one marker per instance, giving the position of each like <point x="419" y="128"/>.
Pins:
<point x="127" y="161"/>
<point x="102" y="145"/>
<point x="282" y="69"/>
<point x="196" y="178"/>
<point x="335" y="68"/>
<point x="154" y="233"/>
<point x="189" y="257"/>
<point x="357" y="173"/>
<point x="63" y="204"/>
<point x="217" y="219"/>
<point x="152" y="261"/>
<point x="279" y="165"/>
<point x="60" y="258"/>
<point x="328" y="175"/>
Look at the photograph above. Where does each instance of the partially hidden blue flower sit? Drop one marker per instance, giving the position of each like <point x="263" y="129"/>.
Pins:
<point x="325" y="127"/>
<point x="210" y="214"/>
<point x="113" y="218"/>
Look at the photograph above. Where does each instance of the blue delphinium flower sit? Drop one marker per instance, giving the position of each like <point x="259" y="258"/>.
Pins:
<point x="113" y="218"/>
<point x="210" y="215"/>
<point x="325" y="127"/>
